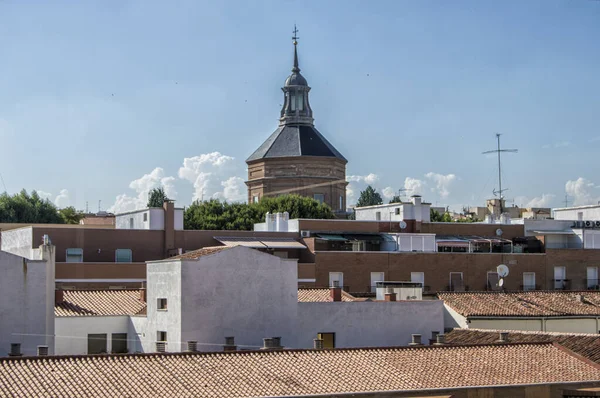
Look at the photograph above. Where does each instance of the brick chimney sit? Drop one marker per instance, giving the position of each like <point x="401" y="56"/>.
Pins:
<point x="59" y="296"/>
<point x="335" y="293"/>
<point x="390" y="297"/>
<point x="169" y="210"/>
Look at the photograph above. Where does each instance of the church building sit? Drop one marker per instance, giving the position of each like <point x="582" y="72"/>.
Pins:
<point x="296" y="158"/>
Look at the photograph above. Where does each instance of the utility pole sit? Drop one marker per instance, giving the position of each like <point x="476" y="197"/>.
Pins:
<point x="566" y="200"/>
<point x="499" y="151"/>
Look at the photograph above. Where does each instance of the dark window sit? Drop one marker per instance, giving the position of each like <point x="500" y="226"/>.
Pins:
<point x="161" y="336"/>
<point x="145" y="216"/>
<point x="328" y="339"/>
<point x="162" y="304"/>
<point x="119" y="343"/>
<point x="96" y="344"/>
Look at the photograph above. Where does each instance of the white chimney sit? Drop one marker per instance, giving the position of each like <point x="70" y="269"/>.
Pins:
<point x="416" y="200"/>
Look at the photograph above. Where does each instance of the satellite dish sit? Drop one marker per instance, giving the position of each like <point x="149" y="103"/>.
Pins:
<point x="499" y="232"/>
<point x="502" y="271"/>
<point x="501" y="282"/>
<point x="402" y="225"/>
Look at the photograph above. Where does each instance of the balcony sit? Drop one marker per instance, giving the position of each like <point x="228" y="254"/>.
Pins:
<point x="457" y="288"/>
<point x="591" y="284"/>
<point x="562" y="284"/>
<point x="530" y="287"/>
<point x="373" y="289"/>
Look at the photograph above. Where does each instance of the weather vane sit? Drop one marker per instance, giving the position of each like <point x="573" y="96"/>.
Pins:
<point x="295" y="37"/>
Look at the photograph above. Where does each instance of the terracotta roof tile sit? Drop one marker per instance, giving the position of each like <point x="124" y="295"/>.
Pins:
<point x="195" y="254"/>
<point x="540" y="303"/>
<point x="321" y="295"/>
<point x="100" y="303"/>
<point x="292" y="372"/>
<point x="586" y="345"/>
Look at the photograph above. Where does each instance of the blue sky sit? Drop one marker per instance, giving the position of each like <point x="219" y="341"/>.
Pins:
<point x="105" y="100"/>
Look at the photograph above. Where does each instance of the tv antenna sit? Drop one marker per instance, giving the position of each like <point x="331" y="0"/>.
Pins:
<point x="566" y="200"/>
<point x="499" y="151"/>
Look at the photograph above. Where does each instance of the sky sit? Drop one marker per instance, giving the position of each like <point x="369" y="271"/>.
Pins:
<point x="102" y="101"/>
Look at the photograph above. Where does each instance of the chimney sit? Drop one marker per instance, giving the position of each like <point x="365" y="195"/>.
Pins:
<point x="229" y="344"/>
<point x="335" y="293"/>
<point x="161" y="346"/>
<point x="169" y="211"/>
<point x="42" y="351"/>
<point x="441" y="340"/>
<point x="502" y="338"/>
<point x="15" y="350"/>
<point x="143" y="295"/>
<point x="192" y="346"/>
<point x="267" y="343"/>
<point x="277" y="343"/>
<point x="390" y="297"/>
<point x="318" y="344"/>
<point x="433" y="338"/>
<point x="59" y="296"/>
<point x="416" y="339"/>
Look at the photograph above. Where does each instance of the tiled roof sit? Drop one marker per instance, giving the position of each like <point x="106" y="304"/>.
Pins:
<point x="195" y="254"/>
<point x="320" y="295"/>
<point x="544" y="303"/>
<point x="292" y="372"/>
<point x="100" y="302"/>
<point x="587" y="345"/>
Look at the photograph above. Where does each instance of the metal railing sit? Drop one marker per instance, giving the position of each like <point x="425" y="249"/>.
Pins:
<point x="561" y="284"/>
<point x="458" y="288"/>
<point x="591" y="284"/>
<point x="530" y="287"/>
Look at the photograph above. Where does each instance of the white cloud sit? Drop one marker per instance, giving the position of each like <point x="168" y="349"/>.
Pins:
<point x="62" y="199"/>
<point x="414" y="186"/>
<point x="539" y="201"/>
<point x="442" y="183"/>
<point x="44" y="195"/>
<point x="580" y="190"/>
<point x="211" y="175"/>
<point x="350" y="194"/>
<point x="368" y="179"/>
<point x="142" y="186"/>
<point x="560" y="144"/>
<point x="388" y="192"/>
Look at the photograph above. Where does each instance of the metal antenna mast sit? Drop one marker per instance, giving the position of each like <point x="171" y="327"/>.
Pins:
<point x="499" y="151"/>
<point x="566" y="200"/>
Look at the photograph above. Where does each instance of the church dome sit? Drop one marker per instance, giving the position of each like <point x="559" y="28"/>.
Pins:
<point x="295" y="79"/>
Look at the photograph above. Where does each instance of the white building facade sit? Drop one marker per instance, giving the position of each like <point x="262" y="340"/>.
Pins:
<point x="578" y="213"/>
<point x="152" y="218"/>
<point x="396" y="212"/>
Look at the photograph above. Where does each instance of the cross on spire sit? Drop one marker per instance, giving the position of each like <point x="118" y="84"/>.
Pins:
<point x="295" y="37"/>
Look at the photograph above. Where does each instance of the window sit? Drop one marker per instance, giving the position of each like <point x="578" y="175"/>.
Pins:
<point x="592" y="278"/>
<point x="123" y="256"/>
<point x="96" y="344"/>
<point x="493" y="281"/>
<point x="255" y="199"/>
<point x="579" y="216"/>
<point x="293" y="102"/>
<point x="145" y="217"/>
<point x="376" y="277"/>
<point x="336" y="279"/>
<point x="161" y="304"/>
<point x="378" y="216"/>
<point x="418" y="277"/>
<point x="560" y="274"/>
<point x="300" y="101"/>
<point x="397" y="211"/>
<point x="456" y="282"/>
<point x="319" y="197"/>
<point x="161" y="336"/>
<point x="528" y="280"/>
<point x="328" y="339"/>
<point x="74" y="256"/>
<point x="119" y="343"/>
<point x="131" y="223"/>
<point x="341" y="202"/>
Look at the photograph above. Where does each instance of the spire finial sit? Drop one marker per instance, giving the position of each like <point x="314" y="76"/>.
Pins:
<point x="295" y="38"/>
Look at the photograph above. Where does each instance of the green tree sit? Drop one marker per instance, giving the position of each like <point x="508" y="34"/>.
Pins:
<point x="396" y="199"/>
<point x="26" y="208"/>
<point x="156" y="197"/>
<point x="369" y="197"/>
<point x="446" y="217"/>
<point x="217" y="215"/>
<point x="70" y="215"/>
<point x="435" y="216"/>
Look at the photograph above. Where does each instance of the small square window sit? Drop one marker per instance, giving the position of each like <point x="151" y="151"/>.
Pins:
<point x="397" y="210"/>
<point x="145" y="216"/>
<point x="123" y="256"/>
<point x="255" y="199"/>
<point x="161" y="304"/>
<point x="161" y="336"/>
<point x="319" y="197"/>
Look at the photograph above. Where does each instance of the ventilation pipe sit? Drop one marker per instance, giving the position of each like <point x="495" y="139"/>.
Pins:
<point x="229" y="344"/>
<point x="318" y="344"/>
<point x="192" y="346"/>
<point x="15" y="350"/>
<point x="441" y="340"/>
<point x="503" y="337"/>
<point x="161" y="346"/>
<point x="42" y="351"/>
<point x="416" y="340"/>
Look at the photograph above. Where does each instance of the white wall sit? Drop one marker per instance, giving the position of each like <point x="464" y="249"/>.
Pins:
<point x="591" y="239"/>
<point x="367" y="324"/>
<point x="27" y="307"/>
<point x="178" y="220"/>
<point x="416" y="242"/>
<point x="18" y="241"/>
<point x="239" y="292"/>
<point x="155" y="219"/>
<point x="545" y="225"/>
<point x="407" y="211"/>
<point x="590" y="213"/>
<point x="453" y="319"/>
<point x="563" y="325"/>
<point x="72" y="332"/>
<point x="532" y="324"/>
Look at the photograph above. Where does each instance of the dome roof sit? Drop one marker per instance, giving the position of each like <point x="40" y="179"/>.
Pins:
<point x="296" y="79"/>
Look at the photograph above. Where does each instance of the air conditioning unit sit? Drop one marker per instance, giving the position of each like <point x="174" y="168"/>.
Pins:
<point x="305" y="234"/>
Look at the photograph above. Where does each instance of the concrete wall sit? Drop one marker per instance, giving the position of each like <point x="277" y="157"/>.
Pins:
<point x="97" y="271"/>
<point x="72" y="332"/>
<point x="563" y="325"/>
<point x="591" y="239"/>
<point x="509" y="231"/>
<point x="239" y="292"/>
<point x="155" y="219"/>
<point x="368" y="324"/>
<point x="406" y="211"/>
<point x="18" y="241"/>
<point x="178" y="221"/>
<point x="507" y="324"/>
<point x="590" y="213"/>
<point x="545" y="225"/>
<point x="27" y="308"/>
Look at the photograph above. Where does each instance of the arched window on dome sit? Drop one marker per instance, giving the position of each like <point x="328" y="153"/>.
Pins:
<point x="293" y="102"/>
<point x="300" y="99"/>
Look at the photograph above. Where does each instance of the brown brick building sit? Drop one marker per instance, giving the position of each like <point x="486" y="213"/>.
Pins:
<point x="296" y="158"/>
